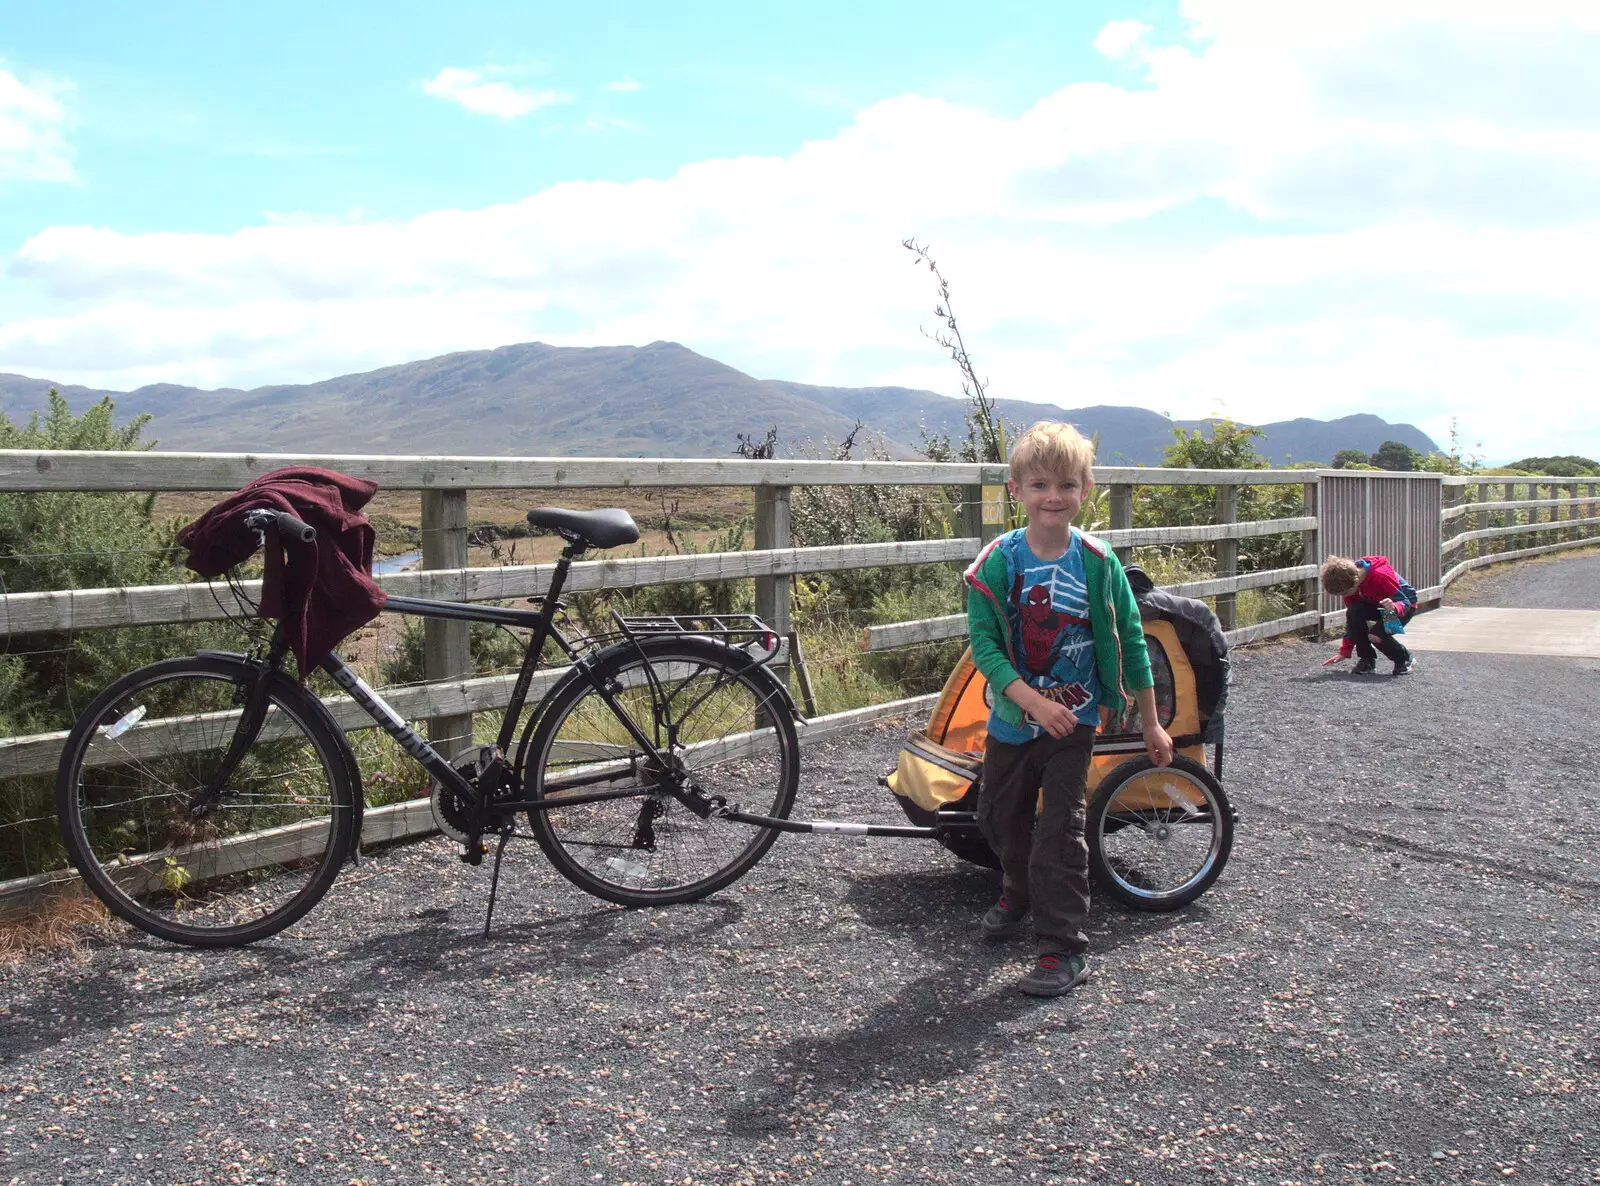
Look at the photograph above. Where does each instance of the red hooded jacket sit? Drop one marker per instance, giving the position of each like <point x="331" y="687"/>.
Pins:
<point x="1381" y="581"/>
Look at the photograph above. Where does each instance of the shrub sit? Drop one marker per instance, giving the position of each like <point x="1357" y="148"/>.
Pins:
<point x="74" y="540"/>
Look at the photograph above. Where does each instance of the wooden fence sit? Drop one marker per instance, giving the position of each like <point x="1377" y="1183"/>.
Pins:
<point x="1429" y="507"/>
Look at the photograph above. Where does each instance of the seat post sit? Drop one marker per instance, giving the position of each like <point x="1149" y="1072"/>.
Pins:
<point x="558" y="579"/>
<point x="541" y="633"/>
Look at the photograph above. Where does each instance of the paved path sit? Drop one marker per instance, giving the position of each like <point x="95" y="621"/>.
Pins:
<point x="1395" y="980"/>
<point x="1507" y="631"/>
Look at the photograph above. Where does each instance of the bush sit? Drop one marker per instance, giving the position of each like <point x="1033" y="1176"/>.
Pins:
<point x="490" y="647"/>
<point x="1230" y="446"/>
<point x="1567" y="466"/>
<point x="74" y="540"/>
<point x="592" y="611"/>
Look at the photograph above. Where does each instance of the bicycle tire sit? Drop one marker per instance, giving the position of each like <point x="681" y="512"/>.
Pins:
<point x="718" y="714"/>
<point x="1158" y="835"/>
<point x="259" y="858"/>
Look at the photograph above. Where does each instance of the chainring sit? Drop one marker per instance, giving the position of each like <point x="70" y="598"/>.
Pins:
<point x="452" y="811"/>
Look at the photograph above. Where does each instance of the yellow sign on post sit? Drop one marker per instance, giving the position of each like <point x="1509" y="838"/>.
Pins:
<point x="994" y="511"/>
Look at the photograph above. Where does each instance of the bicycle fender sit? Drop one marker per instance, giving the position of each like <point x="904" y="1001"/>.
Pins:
<point x="772" y="687"/>
<point x="314" y="706"/>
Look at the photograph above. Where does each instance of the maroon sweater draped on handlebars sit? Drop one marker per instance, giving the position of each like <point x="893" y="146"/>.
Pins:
<point x="322" y="590"/>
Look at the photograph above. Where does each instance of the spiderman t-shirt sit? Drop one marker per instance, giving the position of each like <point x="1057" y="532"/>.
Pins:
<point x="1048" y="609"/>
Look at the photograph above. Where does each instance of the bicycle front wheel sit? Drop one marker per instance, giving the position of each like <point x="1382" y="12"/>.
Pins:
<point x="172" y="840"/>
<point x="714" y="718"/>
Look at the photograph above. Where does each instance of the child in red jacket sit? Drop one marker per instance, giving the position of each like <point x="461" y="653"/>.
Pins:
<point x="1370" y="586"/>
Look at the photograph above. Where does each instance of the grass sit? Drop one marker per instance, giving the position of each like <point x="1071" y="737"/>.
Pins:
<point x="1171" y="567"/>
<point x="54" y="921"/>
<point x="696" y="512"/>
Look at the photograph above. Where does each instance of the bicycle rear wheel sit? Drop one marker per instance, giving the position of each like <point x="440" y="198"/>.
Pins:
<point x="179" y="853"/>
<point x="716" y="717"/>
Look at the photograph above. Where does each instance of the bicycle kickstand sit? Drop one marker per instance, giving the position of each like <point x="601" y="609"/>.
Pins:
<point x="494" y="881"/>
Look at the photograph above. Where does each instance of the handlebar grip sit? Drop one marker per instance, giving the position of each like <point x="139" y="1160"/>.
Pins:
<point x="282" y="522"/>
<point x="294" y="528"/>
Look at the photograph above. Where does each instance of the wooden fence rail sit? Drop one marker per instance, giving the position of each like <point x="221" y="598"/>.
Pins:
<point x="452" y="694"/>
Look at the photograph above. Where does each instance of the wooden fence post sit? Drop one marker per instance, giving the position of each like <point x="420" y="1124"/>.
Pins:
<point x="446" y="652"/>
<point x="969" y="515"/>
<point x="1480" y="547"/>
<point x="1310" y="553"/>
<point x="1227" y="509"/>
<point x="774" y="529"/>
<point x="1450" y="498"/>
<point x="1122" y="515"/>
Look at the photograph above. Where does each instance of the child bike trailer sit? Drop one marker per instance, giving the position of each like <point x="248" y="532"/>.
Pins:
<point x="1158" y="837"/>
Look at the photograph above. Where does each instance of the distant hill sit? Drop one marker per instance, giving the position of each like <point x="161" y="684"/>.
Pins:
<point x="660" y="400"/>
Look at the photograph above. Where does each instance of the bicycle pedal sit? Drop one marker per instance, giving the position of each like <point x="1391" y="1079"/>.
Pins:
<point x="475" y="854"/>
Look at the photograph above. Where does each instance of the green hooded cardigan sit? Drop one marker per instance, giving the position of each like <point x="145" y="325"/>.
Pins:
<point x="1119" y="649"/>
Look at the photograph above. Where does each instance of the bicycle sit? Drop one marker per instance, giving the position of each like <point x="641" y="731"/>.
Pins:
<point x="211" y="799"/>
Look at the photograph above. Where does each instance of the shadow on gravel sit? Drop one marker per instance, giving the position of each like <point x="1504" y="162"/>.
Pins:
<point x="952" y="899"/>
<point x="958" y="891"/>
<point x="940" y="1025"/>
<point x="442" y="953"/>
<point x="347" y="984"/>
<point x="934" y="1028"/>
<point x="93" y="997"/>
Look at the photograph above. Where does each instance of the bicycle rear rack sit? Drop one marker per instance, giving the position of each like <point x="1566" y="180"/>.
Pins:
<point x="744" y="631"/>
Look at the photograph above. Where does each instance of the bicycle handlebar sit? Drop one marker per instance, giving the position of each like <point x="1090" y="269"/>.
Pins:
<point x="282" y="522"/>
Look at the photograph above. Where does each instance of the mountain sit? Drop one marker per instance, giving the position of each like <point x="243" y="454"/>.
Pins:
<point x="1289" y="441"/>
<point x="660" y="400"/>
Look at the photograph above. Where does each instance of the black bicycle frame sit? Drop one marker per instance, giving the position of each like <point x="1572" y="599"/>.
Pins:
<point x="542" y="623"/>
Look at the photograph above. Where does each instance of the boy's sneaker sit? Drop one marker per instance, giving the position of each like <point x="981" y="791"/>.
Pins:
<point x="1405" y="666"/>
<point x="1054" y="975"/>
<point x="1364" y="667"/>
<point x="1003" y="919"/>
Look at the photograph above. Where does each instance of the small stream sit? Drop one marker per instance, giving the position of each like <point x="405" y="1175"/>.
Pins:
<point x="391" y="564"/>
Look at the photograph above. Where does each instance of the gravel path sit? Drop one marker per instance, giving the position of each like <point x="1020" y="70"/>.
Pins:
<point x="1394" y="980"/>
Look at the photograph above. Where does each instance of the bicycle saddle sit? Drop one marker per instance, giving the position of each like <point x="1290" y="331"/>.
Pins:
<point x="598" y="529"/>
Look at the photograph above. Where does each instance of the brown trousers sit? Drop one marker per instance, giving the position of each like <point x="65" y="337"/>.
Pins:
<point x="1045" y="860"/>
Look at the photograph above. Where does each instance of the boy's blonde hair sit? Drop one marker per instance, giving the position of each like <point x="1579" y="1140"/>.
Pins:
<point x="1057" y="449"/>
<point x="1340" y="575"/>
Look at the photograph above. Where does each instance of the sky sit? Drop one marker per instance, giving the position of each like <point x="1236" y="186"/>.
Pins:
<point x="1241" y="207"/>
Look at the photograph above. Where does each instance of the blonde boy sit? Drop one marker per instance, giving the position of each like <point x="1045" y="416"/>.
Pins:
<point x="1056" y="632"/>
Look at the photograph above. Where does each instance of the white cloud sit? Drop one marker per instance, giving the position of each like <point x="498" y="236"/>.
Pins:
<point x="475" y="91"/>
<point x="623" y="84"/>
<point x="1245" y="225"/>
<point x="608" y="123"/>
<point x="32" y="145"/>
<point x="1118" y="37"/>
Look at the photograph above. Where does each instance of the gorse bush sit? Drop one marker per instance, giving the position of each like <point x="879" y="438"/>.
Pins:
<point x="825" y="516"/>
<point x="74" y="540"/>
<point x="80" y="540"/>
